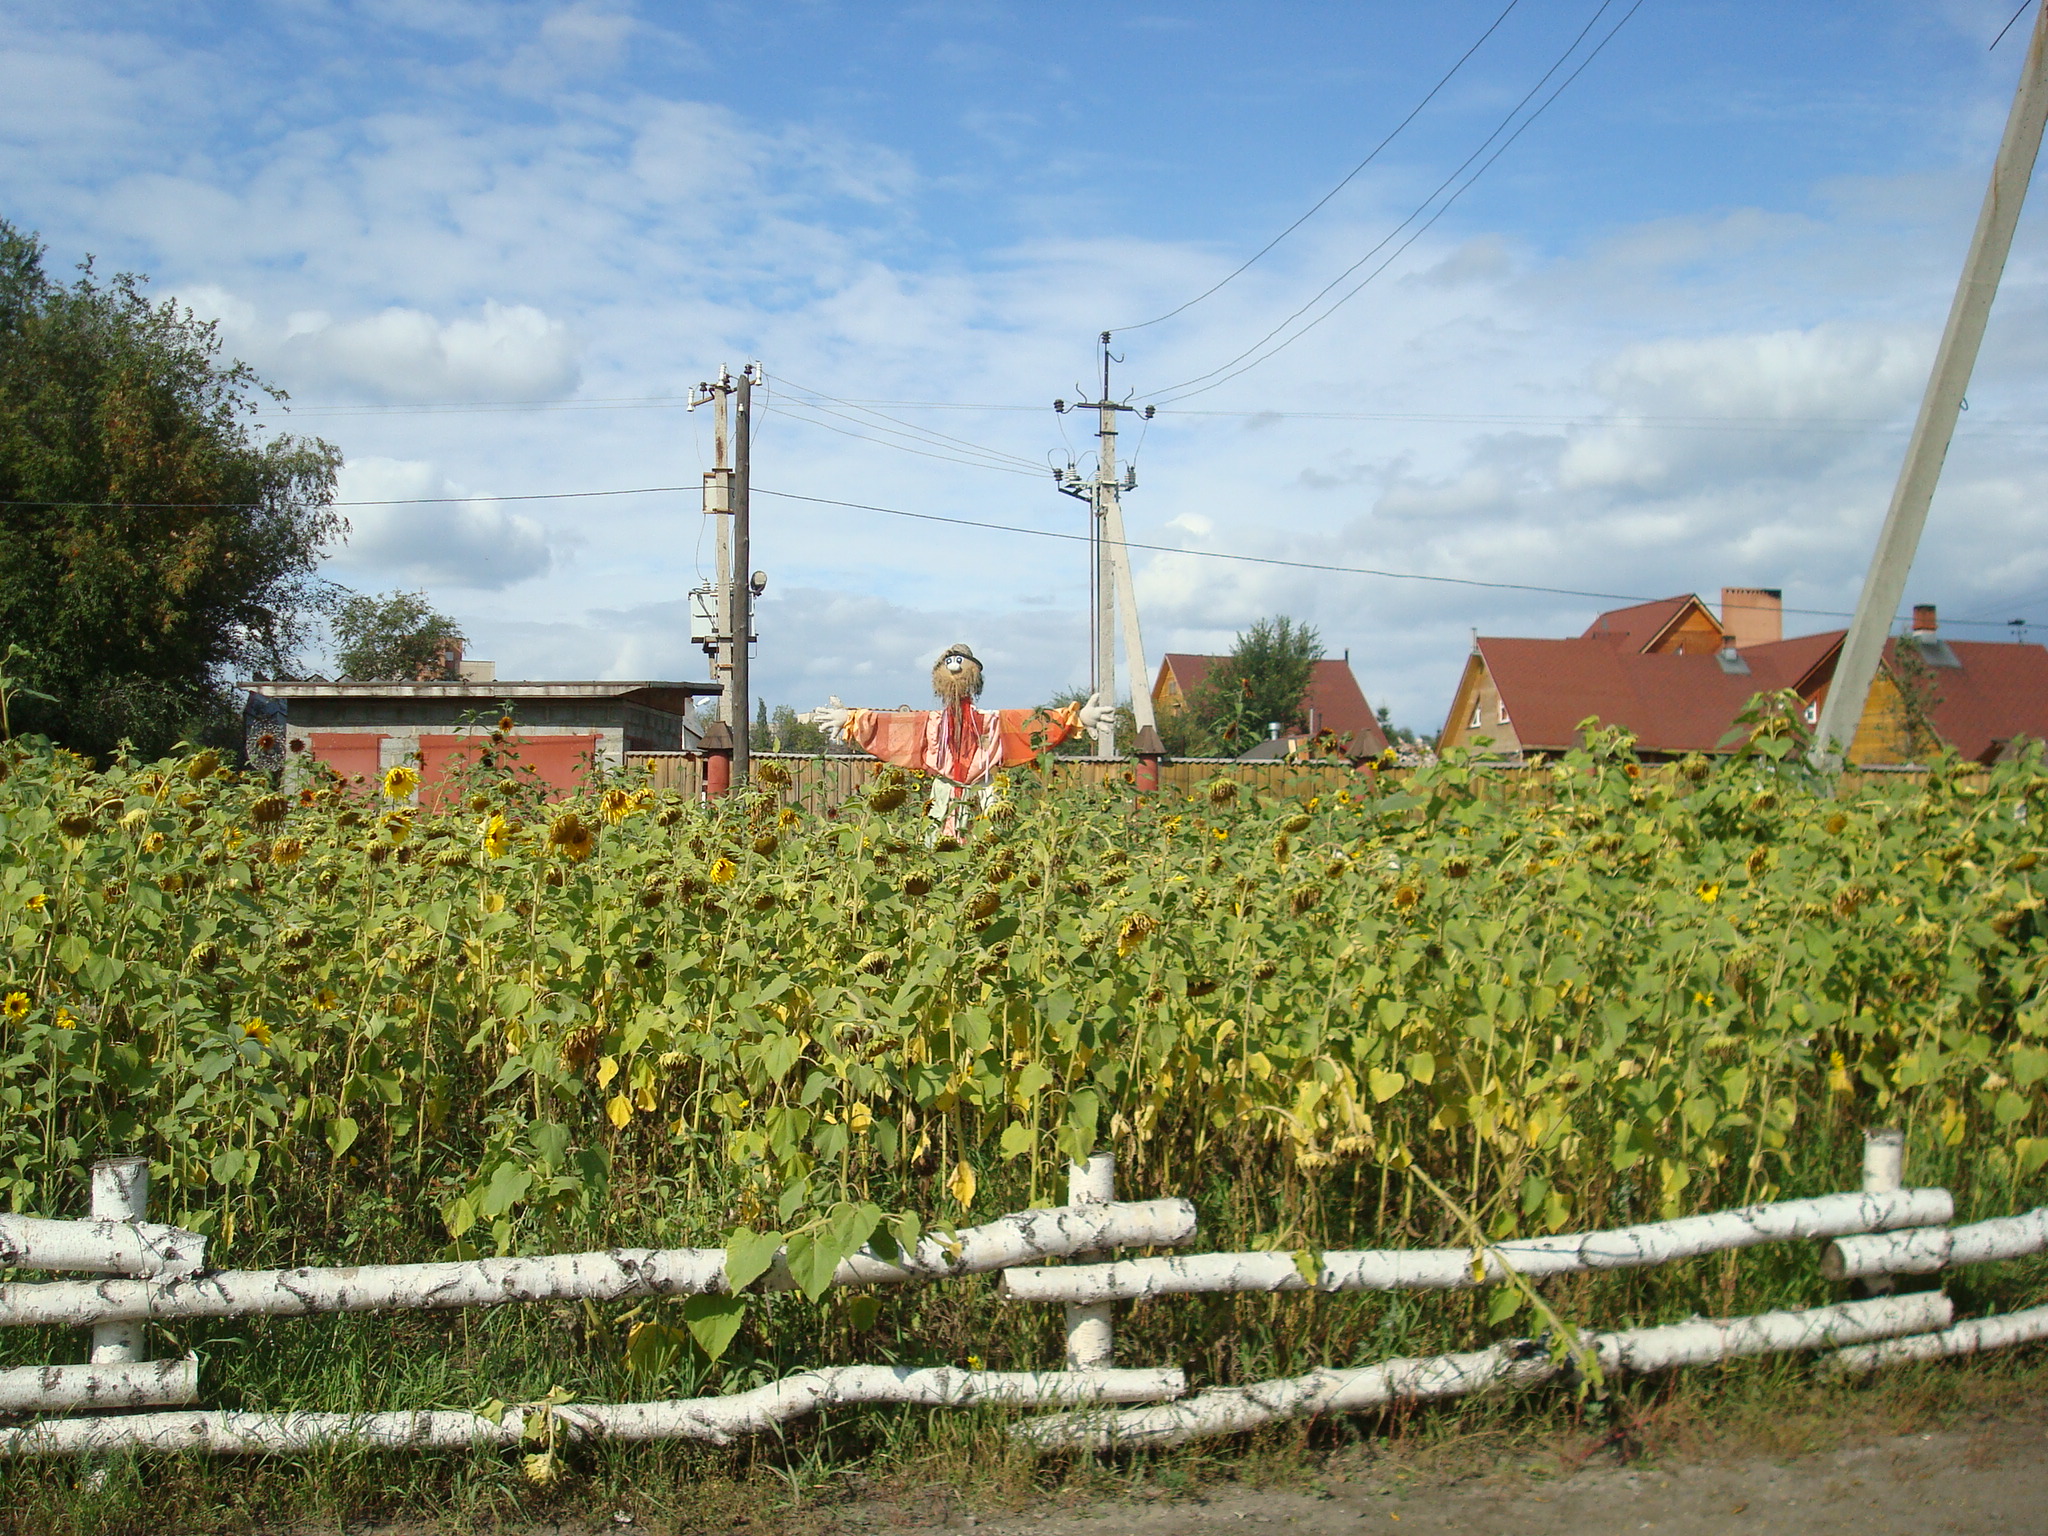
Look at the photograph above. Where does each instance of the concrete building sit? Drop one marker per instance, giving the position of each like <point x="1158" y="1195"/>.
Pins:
<point x="560" y="729"/>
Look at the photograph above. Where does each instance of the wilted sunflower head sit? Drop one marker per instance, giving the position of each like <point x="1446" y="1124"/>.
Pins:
<point x="287" y="850"/>
<point x="615" y="805"/>
<point x="570" y="836"/>
<point x="202" y="767"/>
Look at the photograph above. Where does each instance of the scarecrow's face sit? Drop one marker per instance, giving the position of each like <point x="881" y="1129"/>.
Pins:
<point x="957" y="676"/>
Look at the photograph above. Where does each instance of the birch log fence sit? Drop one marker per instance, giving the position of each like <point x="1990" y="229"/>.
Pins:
<point x="158" y="1273"/>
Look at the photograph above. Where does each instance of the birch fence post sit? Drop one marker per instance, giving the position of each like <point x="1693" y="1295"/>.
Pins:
<point x="120" y="1192"/>
<point x="1091" y="1343"/>
<point x="1884" y="1172"/>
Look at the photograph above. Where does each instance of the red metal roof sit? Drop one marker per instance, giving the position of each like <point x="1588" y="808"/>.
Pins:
<point x="1672" y="703"/>
<point x="2000" y="691"/>
<point x="1339" y="704"/>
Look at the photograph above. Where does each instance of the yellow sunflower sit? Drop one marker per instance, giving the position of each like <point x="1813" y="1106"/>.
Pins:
<point x="615" y="805"/>
<point x="497" y="836"/>
<point x="15" y="1006"/>
<point x="400" y="782"/>
<point x="723" y="870"/>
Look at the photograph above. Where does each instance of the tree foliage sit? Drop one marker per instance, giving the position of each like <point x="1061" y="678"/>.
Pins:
<point x="153" y="538"/>
<point x="395" y="636"/>
<point x="1263" y="680"/>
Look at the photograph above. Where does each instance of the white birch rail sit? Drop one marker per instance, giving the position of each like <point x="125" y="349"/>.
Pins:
<point x="1937" y="1248"/>
<point x="131" y="1384"/>
<point x="1023" y="1238"/>
<point x="99" y="1247"/>
<point x="1660" y="1242"/>
<point x="1232" y="1410"/>
<point x="714" y="1419"/>
<point x="1972" y="1337"/>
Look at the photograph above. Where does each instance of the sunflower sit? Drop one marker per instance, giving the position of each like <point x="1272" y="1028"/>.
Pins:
<point x="400" y="782"/>
<point x="256" y="1030"/>
<point x="287" y="850"/>
<point x="615" y="805"/>
<point x="723" y="870"/>
<point x="571" y="837"/>
<point x="1134" y="930"/>
<point x="15" y="1006"/>
<point x="497" y="836"/>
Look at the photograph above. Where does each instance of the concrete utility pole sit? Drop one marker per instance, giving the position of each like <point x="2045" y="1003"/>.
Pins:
<point x="742" y="588"/>
<point x="711" y="612"/>
<point x="1112" y="586"/>
<point x="1885" y="585"/>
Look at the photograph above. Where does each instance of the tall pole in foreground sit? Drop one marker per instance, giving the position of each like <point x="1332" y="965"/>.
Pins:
<point x="1885" y="585"/>
<point x="1113" y="588"/>
<point x="741" y="601"/>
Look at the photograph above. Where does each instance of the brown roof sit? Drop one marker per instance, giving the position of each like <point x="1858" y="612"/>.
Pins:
<point x="1672" y="703"/>
<point x="2000" y="691"/>
<point x="1338" y="702"/>
<point x="1640" y="625"/>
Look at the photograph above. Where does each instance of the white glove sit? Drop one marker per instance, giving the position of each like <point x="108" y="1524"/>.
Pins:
<point x="832" y="717"/>
<point x="1096" y="716"/>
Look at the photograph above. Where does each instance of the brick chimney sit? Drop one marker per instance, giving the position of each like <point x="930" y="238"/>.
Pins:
<point x="1753" y="615"/>
<point x="1923" y="619"/>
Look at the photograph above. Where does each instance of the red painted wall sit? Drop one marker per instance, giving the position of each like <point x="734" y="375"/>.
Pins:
<point x="561" y="761"/>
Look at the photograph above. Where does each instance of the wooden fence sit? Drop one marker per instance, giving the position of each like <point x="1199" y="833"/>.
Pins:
<point x="1871" y="1232"/>
<point x="823" y="784"/>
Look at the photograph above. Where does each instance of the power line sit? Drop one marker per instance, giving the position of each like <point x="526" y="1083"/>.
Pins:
<point x="1349" y="177"/>
<point x="961" y="522"/>
<point x="864" y="409"/>
<point x="1298" y="565"/>
<point x="1167" y="395"/>
<point x="788" y="408"/>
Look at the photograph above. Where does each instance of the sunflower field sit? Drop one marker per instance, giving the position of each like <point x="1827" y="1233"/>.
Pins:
<point x="349" y="1028"/>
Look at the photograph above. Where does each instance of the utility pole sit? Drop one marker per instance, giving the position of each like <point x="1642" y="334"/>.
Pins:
<point x="711" y="610"/>
<point x="1112" y="585"/>
<point x="722" y="610"/>
<point x="742" y="588"/>
<point x="1884" y="587"/>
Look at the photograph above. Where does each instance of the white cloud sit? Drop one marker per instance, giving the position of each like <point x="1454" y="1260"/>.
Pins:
<point x="474" y="544"/>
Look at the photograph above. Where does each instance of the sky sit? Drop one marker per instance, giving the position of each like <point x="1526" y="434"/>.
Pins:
<point x="1669" y="339"/>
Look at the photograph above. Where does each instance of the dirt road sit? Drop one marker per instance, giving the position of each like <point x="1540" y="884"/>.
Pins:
<point x="1976" y="1481"/>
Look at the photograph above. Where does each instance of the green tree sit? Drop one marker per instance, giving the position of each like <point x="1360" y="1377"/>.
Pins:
<point x="393" y="637"/>
<point x="1264" y="679"/>
<point x="153" y="538"/>
<point x="793" y="735"/>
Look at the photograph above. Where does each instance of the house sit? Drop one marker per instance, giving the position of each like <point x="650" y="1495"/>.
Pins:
<point x="1676" y="674"/>
<point x="561" y="729"/>
<point x="1333" y="704"/>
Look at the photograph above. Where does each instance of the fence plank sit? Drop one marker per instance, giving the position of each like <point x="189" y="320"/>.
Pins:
<point x="715" y="1419"/>
<point x="1024" y="1238"/>
<point x="1659" y="1242"/>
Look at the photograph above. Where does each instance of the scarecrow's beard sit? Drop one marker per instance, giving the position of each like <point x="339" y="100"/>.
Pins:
<point x="957" y="687"/>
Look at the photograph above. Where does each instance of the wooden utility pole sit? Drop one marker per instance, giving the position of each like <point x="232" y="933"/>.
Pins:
<point x="1113" y="588"/>
<point x="741" y="602"/>
<point x="1884" y="587"/>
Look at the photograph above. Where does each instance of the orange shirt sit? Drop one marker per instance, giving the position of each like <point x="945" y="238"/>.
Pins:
<point x="960" y="742"/>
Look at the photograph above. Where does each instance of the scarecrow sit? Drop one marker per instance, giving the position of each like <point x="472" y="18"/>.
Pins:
<point x="959" y="745"/>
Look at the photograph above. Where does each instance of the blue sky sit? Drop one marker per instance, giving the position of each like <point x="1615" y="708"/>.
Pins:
<point x="1669" y="341"/>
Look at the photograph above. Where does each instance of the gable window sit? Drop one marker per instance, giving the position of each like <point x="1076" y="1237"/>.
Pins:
<point x="1476" y="716"/>
<point x="1500" y="712"/>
